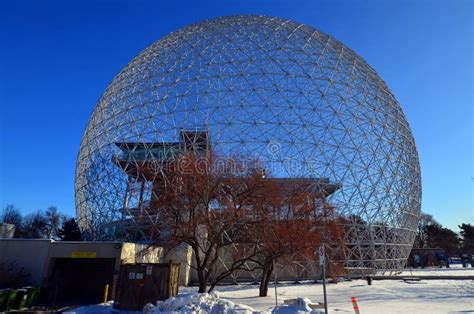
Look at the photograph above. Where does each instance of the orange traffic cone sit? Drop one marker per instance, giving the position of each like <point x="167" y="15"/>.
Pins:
<point x="354" y="305"/>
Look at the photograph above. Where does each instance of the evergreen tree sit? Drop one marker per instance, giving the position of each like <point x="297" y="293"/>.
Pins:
<point x="444" y="238"/>
<point x="467" y="241"/>
<point x="70" y="231"/>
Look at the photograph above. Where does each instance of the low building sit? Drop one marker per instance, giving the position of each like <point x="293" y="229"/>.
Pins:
<point x="75" y="271"/>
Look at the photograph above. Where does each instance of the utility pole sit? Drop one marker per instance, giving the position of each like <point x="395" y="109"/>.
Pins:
<point x="275" y="282"/>
<point x="322" y="263"/>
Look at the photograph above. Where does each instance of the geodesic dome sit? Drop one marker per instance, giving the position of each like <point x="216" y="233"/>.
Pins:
<point x="266" y="88"/>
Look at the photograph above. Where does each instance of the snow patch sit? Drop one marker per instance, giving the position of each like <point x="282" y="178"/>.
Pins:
<point x="197" y="303"/>
<point x="301" y="305"/>
<point x="103" y="308"/>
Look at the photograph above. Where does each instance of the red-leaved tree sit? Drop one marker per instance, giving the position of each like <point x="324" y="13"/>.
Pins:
<point x="221" y="205"/>
<point x="204" y="204"/>
<point x="294" y="220"/>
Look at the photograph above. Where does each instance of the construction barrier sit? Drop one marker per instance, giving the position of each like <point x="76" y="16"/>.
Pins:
<point x="354" y="305"/>
<point x="139" y="284"/>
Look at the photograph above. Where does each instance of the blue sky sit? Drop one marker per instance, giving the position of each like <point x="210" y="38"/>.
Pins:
<point x="57" y="57"/>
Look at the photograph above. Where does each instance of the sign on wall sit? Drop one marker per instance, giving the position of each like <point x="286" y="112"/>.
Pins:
<point x="83" y="254"/>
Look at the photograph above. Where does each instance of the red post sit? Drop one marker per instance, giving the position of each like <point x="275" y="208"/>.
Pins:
<point x="354" y="305"/>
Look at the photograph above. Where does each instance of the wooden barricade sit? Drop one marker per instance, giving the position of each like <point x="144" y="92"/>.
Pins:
<point x="140" y="284"/>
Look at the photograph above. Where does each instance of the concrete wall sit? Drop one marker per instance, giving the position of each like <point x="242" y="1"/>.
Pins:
<point x="182" y="254"/>
<point x="147" y="254"/>
<point x="32" y="255"/>
<point x="66" y="249"/>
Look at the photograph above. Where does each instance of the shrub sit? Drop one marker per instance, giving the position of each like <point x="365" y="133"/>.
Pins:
<point x="13" y="276"/>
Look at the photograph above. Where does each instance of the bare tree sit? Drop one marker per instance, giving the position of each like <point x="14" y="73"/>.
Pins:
<point x="12" y="215"/>
<point x="54" y="220"/>
<point x="35" y="226"/>
<point x="421" y="239"/>
<point x="205" y="206"/>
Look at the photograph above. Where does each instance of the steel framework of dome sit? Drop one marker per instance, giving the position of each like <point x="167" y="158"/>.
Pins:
<point x="268" y="88"/>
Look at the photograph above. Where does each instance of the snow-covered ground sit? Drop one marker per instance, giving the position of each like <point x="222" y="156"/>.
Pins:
<point x="383" y="296"/>
<point x="455" y="270"/>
